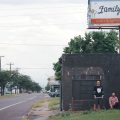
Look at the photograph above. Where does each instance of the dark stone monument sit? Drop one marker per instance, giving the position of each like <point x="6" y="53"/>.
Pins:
<point x="79" y="75"/>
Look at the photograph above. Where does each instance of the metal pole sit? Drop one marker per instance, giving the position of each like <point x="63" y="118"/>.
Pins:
<point x="119" y="40"/>
<point x="0" y="63"/>
<point x="10" y="64"/>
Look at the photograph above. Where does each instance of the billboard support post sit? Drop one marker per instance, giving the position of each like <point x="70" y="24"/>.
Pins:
<point x="119" y="38"/>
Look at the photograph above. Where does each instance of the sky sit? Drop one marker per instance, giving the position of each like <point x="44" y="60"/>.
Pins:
<point x="33" y="33"/>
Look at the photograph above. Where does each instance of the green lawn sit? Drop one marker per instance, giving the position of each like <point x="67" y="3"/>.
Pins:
<point x="8" y="95"/>
<point x="53" y="103"/>
<point x="100" y="115"/>
<point x="39" y="103"/>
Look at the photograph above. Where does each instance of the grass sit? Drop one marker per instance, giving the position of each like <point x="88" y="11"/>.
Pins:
<point x="8" y="95"/>
<point x="25" y="118"/>
<point x="54" y="103"/>
<point x="100" y="115"/>
<point x="39" y="103"/>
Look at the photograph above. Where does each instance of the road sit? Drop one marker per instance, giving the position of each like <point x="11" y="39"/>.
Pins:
<point x="14" y="108"/>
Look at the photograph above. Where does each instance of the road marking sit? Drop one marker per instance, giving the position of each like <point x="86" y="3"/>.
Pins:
<point x="17" y="103"/>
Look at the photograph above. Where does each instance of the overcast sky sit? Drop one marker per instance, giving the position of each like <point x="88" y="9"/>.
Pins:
<point x="33" y="33"/>
<point x="41" y="1"/>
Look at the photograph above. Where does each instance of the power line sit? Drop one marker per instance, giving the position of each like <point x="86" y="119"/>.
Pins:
<point x="16" y="26"/>
<point x="35" y="68"/>
<point x="66" y="6"/>
<point x="34" y="44"/>
<point x="39" y="14"/>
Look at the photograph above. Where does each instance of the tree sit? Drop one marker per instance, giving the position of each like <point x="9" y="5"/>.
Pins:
<point x="105" y="42"/>
<point x="35" y="87"/>
<point x="25" y="82"/>
<point x="14" y="79"/>
<point x="57" y="69"/>
<point x="4" y="79"/>
<point x="47" y="87"/>
<point x="93" y="42"/>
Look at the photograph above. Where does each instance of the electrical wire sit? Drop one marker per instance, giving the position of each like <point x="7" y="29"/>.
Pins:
<point x="34" y="68"/>
<point x="16" y="26"/>
<point x="66" y="6"/>
<point x="39" y="14"/>
<point x="42" y="45"/>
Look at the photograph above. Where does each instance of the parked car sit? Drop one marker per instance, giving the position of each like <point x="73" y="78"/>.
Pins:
<point x="29" y="92"/>
<point x="54" y="94"/>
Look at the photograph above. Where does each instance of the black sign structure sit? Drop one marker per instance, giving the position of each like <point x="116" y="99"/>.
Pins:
<point x="79" y="75"/>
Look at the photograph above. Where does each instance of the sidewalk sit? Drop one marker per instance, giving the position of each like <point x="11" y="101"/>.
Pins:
<point x="42" y="113"/>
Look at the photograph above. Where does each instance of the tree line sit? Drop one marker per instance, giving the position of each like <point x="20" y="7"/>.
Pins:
<point x="92" y="42"/>
<point x="16" y="80"/>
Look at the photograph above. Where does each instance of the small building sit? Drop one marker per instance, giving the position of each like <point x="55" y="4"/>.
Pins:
<point x="79" y="75"/>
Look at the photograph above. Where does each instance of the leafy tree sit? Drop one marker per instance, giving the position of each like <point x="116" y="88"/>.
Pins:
<point x="4" y="79"/>
<point x="57" y="69"/>
<point x="14" y="78"/>
<point x="93" y="42"/>
<point x="35" y="87"/>
<point x="47" y="87"/>
<point x="105" y="42"/>
<point x="25" y="82"/>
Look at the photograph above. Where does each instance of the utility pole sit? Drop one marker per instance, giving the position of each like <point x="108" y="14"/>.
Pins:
<point x="2" y="91"/>
<point x="0" y="63"/>
<point x="10" y="64"/>
<point x="16" y="87"/>
<point x="119" y="39"/>
<point x="17" y="69"/>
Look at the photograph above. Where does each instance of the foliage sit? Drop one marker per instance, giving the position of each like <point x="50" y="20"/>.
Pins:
<point x="93" y="42"/>
<point x="47" y="87"/>
<point x="14" y="79"/>
<point x="4" y="79"/>
<point x="57" y="69"/>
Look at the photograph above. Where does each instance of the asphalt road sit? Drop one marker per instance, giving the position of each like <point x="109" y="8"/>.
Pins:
<point x="14" y="108"/>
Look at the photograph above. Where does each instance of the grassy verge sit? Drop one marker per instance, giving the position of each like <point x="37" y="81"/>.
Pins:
<point x="25" y="118"/>
<point x="53" y="103"/>
<point x="8" y="95"/>
<point x="39" y="103"/>
<point x="100" y="115"/>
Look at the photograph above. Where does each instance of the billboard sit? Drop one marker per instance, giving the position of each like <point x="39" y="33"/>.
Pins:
<point x="103" y="13"/>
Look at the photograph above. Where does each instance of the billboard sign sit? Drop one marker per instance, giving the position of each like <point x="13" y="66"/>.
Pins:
<point x="103" y="13"/>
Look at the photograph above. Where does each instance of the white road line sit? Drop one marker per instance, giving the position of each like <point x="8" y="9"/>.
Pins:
<point x="17" y="103"/>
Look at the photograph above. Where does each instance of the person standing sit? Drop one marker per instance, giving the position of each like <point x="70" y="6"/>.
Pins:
<point x="98" y="96"/>
<point x="113" y="101"/>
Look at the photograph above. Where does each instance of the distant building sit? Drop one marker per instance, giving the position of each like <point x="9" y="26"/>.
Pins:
<point x="54" y="87"/>
<point x="52" y="81"/>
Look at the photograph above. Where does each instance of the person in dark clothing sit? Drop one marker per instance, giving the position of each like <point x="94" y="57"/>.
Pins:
<point x="98" y="95"/>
